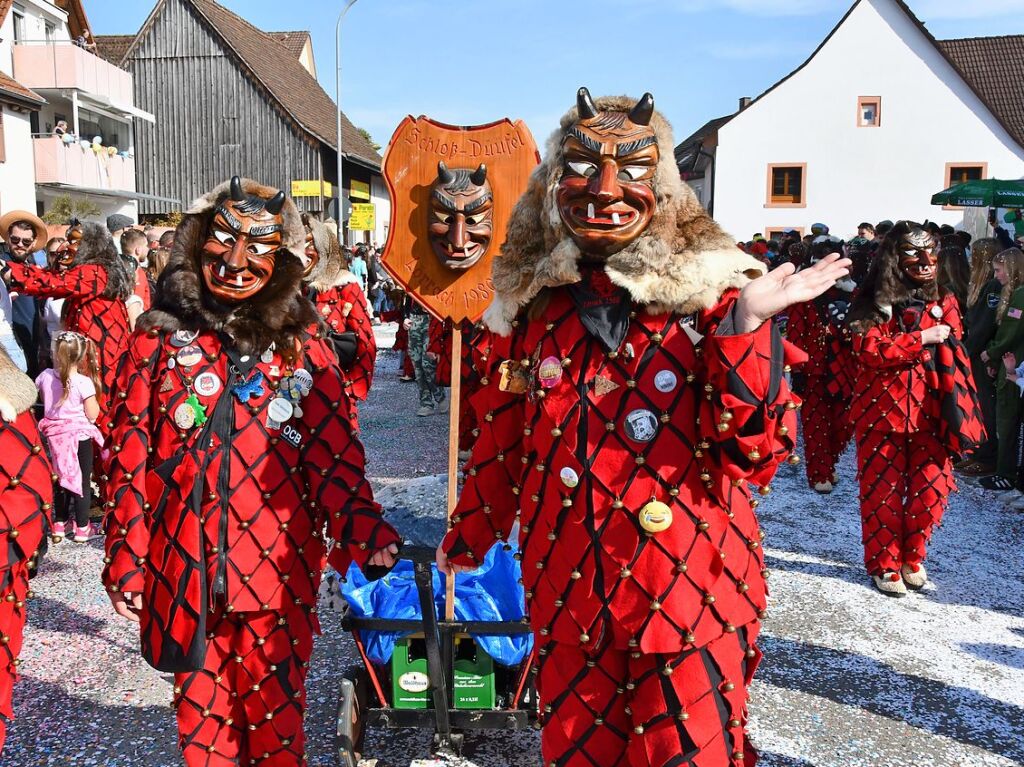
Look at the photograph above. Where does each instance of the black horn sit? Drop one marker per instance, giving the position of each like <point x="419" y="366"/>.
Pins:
<point x="275" y="203"/>
<point x="236" y="189"/>
<point x="585" y="104"/>
<point x="479" y="176"/>
<point x="445" y="175"/>
<point x="643" y="110"/>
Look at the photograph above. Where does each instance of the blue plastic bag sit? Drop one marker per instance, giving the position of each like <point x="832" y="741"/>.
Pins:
<point x="491" y="593"/>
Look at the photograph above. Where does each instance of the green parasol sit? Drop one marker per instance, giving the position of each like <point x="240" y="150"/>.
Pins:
<point x="984" y="193"/>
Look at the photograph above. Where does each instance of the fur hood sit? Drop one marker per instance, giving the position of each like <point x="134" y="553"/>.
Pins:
<point x="683" y="262"/>
<point x="886" y="287"/>
<point x="15" y="385"/>
<point x="97" y="248"/>
<point x="278" y="314"/>
<point x="330" y="271"/>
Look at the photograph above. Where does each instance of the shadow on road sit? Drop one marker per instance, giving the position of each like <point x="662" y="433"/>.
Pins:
<point x="1012" y="657"/>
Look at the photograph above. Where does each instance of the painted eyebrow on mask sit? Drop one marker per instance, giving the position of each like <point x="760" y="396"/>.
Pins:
<point x="583" y="138"/>
<point x="263" y="231"/>
<point x="478" y="203"/>
<point x="226" y="214"/>
<point x="621" y="150"/>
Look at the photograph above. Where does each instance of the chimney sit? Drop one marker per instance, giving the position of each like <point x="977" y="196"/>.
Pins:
<point x="744" y="102"/>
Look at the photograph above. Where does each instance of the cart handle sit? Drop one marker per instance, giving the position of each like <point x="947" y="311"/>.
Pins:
<point x="417" y="554"/>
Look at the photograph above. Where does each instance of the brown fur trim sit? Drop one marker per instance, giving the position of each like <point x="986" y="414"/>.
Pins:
<point x="15" y="386"/>
<point x="683" y="262"/>
<point x="330" y="270"/>
<point x="97" y="247"/>
<point x="278" y="314"/>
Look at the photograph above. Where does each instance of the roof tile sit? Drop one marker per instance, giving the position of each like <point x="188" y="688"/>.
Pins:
<point x="12" y="88"/>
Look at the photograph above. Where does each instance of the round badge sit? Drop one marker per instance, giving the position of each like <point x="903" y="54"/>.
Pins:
<point x="325" y="310"/>
<point x="655" y="517"/>
<point x="207" y="384"/>
<point x="550" y="372"/>
<point x="244" y="358"/>
<point x="641" y="425"/>
<point x="569" y="477"/>
<point x="304" y="380"/>
<point x="184" y="416"/>
<point x="171" y="363"/>
<point x="183" y="338"/>
<point x="937" y="312"/>
<point x="189" y="356"/>
<point x="665" y="381"/>
<point x="280" y="409"/>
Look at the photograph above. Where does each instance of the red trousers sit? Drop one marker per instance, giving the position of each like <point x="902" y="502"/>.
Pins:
<point x="246" y="706"/>
<point x="615" y="708"/>
<point x="825" y="421"/>
<point x="13" y="591"/>
<point x="905" y="482"/>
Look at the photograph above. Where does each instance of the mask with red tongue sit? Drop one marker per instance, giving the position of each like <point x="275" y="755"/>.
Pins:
<point x="605" y="196"/>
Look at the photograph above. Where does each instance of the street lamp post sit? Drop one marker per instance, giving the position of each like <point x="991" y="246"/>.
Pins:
<point x="337" y="98"/>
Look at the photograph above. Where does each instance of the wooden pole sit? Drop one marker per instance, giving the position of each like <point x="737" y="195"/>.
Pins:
<point x="454" y="395"/>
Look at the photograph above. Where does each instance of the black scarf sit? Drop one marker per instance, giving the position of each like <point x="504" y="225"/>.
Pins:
<point x="602" y="306"/>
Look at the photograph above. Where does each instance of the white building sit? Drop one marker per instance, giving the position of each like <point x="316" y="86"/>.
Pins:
<point x="877" y="120"/>
<point x="73" y="85"/>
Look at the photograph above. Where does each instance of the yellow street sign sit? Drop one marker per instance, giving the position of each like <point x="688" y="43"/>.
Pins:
<point x="360" y="191"/>
<point x="363" y="218"/>
<point x="310" y="188"/>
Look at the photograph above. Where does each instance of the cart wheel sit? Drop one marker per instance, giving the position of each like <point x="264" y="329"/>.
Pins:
<point x="351" y="707"/>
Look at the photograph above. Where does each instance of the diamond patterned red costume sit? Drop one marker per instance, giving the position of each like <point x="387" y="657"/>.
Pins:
<point x="915" y="406"/>
<point x="95" y="289"/>
<point x="220" y="492"/>
<point x="622" y="419"/>
<point x="26" y="498"/>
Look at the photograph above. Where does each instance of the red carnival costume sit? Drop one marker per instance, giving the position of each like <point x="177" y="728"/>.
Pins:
<point x="96" y="287"/>
<point x="233" y="450"/>
<point x="621" y="421"/>
<point x="26" y="497"/>
<point x="339" y="300"/>
<point x="915" y="406"/>
<point x="475" y="344"/>
<point x="825" y="381"/>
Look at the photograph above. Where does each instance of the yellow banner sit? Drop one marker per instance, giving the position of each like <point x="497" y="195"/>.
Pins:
<point x="360" y="190"/>
<point x="363" y="218"/>
<point x="310" y="188"/>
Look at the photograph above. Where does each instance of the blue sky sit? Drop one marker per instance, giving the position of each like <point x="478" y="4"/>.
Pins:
<point x="474" y="61"/>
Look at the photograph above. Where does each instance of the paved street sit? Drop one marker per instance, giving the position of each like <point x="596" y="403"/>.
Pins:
<point x="850" y="678"/>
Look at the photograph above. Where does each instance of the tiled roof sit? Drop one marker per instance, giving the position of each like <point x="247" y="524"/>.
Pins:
<point x="994" y="68"/>
<point x="12" y="89"/>
<point x="113" y="47"/>
<point x="293" y="41"/>
<point x="297" y="91"/>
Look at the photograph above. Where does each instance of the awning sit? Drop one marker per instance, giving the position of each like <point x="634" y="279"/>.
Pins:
<point x="116" y="193"/>
<point x="90" y="100"/>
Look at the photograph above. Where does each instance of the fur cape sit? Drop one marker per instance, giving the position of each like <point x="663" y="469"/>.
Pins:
<point x="278" y="314"/>
<point x="330" y="271"/>
<point x="15" y="385"/>
<point x="682" y="263"/>
<point x="886" y="286"/>
<point x="97" y="248"/>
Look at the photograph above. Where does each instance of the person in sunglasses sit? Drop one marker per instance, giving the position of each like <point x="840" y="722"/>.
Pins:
<point x="24" y="235"/>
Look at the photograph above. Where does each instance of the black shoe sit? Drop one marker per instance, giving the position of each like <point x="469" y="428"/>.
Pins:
<point x="995" y="482"/>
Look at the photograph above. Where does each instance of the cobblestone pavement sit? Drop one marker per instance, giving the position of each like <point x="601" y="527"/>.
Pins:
<point x="850" y="678"/>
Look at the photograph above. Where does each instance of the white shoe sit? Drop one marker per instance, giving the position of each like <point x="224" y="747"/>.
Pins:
<point x="425" y="410"/>
<point x="914" y="580"/>
<point x="890" y="584"/>
<point x="823" y="487"/>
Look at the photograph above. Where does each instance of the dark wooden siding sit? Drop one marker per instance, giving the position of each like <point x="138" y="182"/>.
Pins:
<point x="212" y="121"/>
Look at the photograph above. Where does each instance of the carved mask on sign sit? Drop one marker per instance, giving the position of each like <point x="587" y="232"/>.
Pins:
<point x="242" y="245"/>
<point x="606" y="193"/>
<point x="918" y="260"/>
<point x="461" y="210"/>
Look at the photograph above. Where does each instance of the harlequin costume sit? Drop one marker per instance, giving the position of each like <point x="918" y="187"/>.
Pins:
<point x="825" y="381"/>
<point x="620" y="424"/>
<point x="914" y="407"/>
<point x="95" y="288"/>
<point x="338" y="297"/>
<point x="233" y="449"/>
<point x="26" y="499"/>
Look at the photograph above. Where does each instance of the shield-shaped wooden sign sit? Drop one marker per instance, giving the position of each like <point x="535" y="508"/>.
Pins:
<point x="452" y="192"/>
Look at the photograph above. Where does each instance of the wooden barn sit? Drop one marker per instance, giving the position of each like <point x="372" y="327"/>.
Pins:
<point x="232" y="99"/>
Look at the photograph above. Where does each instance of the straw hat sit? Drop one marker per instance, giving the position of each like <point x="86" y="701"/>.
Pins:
<point x="29" y="218"/>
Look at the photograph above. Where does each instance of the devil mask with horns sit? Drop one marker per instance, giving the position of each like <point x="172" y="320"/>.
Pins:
<point x="461" y="213"/>
<point x="236" y="267"/>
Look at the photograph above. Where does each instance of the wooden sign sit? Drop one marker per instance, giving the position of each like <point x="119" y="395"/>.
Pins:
<point x="452" y="192"/>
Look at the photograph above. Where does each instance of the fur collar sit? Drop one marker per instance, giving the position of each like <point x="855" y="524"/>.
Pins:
<point x="682" y="263"/>
<point x="15" y="385"/>
<point x="277" y="315"/>
<point x="97" y="248"/>
<point x="330" y="271"/>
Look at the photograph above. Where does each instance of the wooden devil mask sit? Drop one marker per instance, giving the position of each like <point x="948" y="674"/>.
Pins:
<point x="915" y="249"/>
<point x="241" y="248"/>
<point x="606" y="196"/>
<point x="461" y="215"/>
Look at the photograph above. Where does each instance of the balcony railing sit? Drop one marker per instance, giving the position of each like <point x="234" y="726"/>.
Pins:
<point x="74" y="164"/>
<point x="65" y="65"/>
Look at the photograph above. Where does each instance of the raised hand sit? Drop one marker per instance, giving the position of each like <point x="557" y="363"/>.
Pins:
<point x="766" y="296"/>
